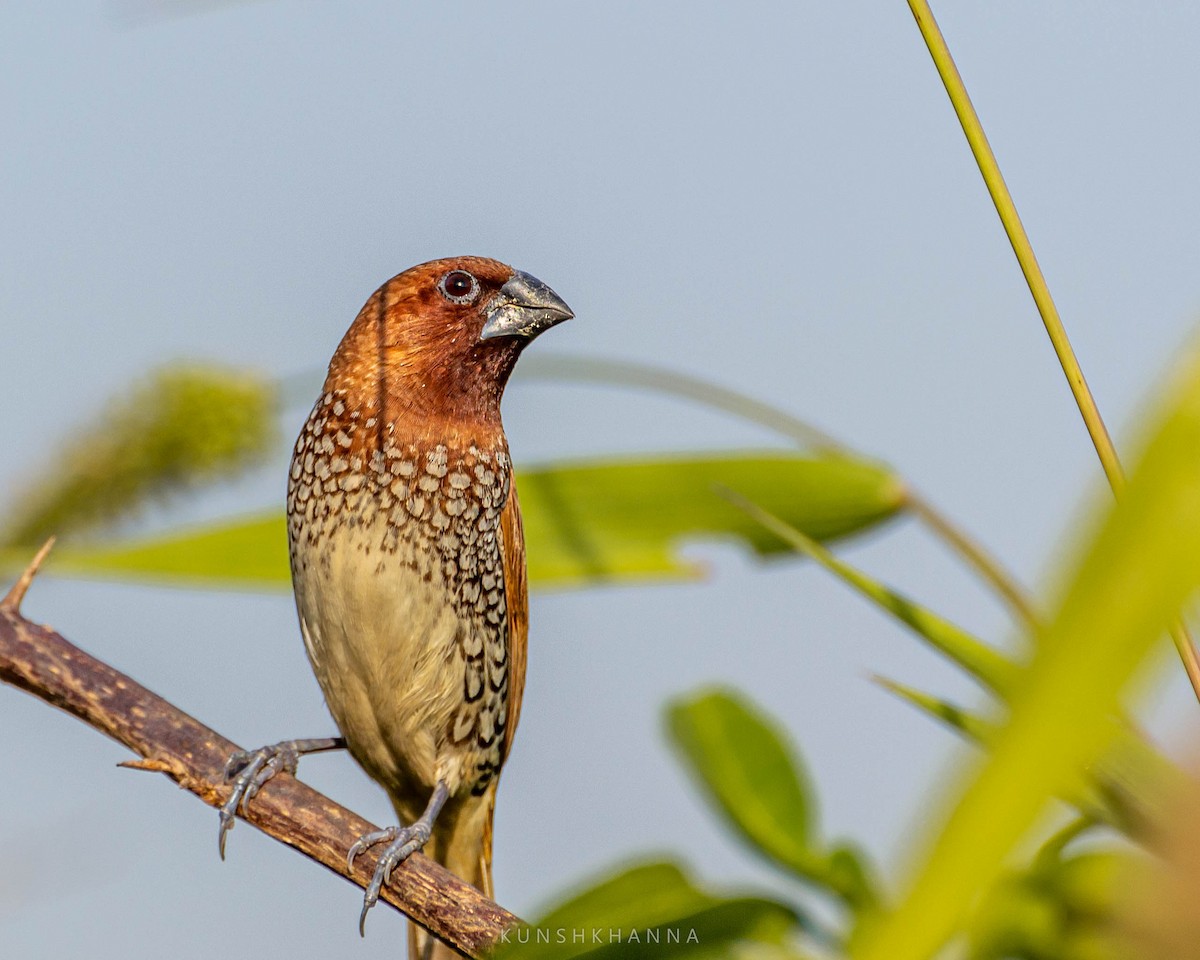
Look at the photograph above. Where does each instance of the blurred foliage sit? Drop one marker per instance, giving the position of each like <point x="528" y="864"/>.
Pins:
<point x="1012" y="873"/>
<point x="183" y="426"/>
<point x="1138" y="569"/>
<point x="1053" y="729"/>
<point x="1058" y="909"/>
<point x="651" y="910"/>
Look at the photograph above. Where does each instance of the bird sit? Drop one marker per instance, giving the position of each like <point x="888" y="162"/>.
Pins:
<point x="408" y="562"/>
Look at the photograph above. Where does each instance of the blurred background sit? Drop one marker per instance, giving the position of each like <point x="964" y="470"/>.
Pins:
<point x="773" y="196"/>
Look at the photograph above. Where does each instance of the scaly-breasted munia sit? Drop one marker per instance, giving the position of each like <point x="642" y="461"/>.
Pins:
<point x="408" y="559"/>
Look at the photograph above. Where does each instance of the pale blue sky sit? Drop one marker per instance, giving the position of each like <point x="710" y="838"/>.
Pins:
<point x="772" y="195"/>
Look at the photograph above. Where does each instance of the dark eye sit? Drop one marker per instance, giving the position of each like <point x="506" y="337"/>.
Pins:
<point x="458" y="286"/>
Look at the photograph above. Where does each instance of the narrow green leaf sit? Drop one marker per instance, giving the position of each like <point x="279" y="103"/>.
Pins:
<point x="1128" y="788"/>
<point x="584" y="522"/>
<point x="986" y="665"/>
<point x="1138" y="571"/>
<point x="972" y="726"/>
<point x="249" y="554"/>
<point x="649" y="910"/>
<point x="750" y="774"/>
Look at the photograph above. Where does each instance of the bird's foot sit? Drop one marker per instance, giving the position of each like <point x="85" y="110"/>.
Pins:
<point x="402" y="843"/>
<point x="250" y="769"/>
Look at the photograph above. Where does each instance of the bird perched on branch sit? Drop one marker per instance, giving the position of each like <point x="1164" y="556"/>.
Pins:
<point x="408" y="560"/>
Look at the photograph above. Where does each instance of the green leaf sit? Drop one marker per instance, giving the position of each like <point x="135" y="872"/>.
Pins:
<point x="986" y="665"/>
<point x="749" y="773"/>
<point x="584" y="522"/>
<point x="616" y="519"/>
<point x="1140" y="567"/>
<point x="649" y="910"/>
<point x="849" y="873"/>
<point x="743" y="763"/>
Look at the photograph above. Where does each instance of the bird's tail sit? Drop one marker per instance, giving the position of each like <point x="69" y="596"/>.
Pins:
<point x="462" y="843"/>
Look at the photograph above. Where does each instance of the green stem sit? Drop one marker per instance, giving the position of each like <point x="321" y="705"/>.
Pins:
<point x="648" y="376"/>
<point x="1011" y="220"/>
<point x="1023" y="249"/>
<point x="987" y="566"/>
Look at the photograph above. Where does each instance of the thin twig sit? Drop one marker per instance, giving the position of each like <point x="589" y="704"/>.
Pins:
<point x="42" y="662"/>
<point x="1187" y="654"/>
<point x="12" y="600"/>
<point x="987" y="566"/>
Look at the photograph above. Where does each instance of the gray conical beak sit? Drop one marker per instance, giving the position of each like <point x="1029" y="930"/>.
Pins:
<point x="524" y="307"/>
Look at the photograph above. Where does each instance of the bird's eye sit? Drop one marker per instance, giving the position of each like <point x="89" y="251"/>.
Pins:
<point x="458" y="286"/>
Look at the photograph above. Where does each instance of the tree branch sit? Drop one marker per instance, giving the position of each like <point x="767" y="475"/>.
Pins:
<point x="42" y="662"/>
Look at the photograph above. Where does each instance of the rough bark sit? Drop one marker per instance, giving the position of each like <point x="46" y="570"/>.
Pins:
<point x="42" y="662"/>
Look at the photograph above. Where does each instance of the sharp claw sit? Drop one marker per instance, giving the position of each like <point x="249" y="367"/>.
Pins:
<point x="223" y="832"/>
<point x="227" y="816"/>
<point x="404" y="842"/>
<point x="369" y="900"/>
<point x="358" y="848"/>
<point x="368" y="840"/>
<point x="237" y="795"/>
<point x="252" y="769"/>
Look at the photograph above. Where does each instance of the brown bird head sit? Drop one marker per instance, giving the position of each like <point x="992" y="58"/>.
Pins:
<point x="437" y="343"/>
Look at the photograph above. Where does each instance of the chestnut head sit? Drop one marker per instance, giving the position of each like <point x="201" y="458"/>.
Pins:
<point x="440" y="339"/>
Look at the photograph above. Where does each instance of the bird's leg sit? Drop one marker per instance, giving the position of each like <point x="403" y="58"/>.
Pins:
<point x="402" y="843"/>
<point x="253" y="768"/>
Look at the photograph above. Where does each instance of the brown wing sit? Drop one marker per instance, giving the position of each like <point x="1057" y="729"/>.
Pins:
<point x="516" y="599"/>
